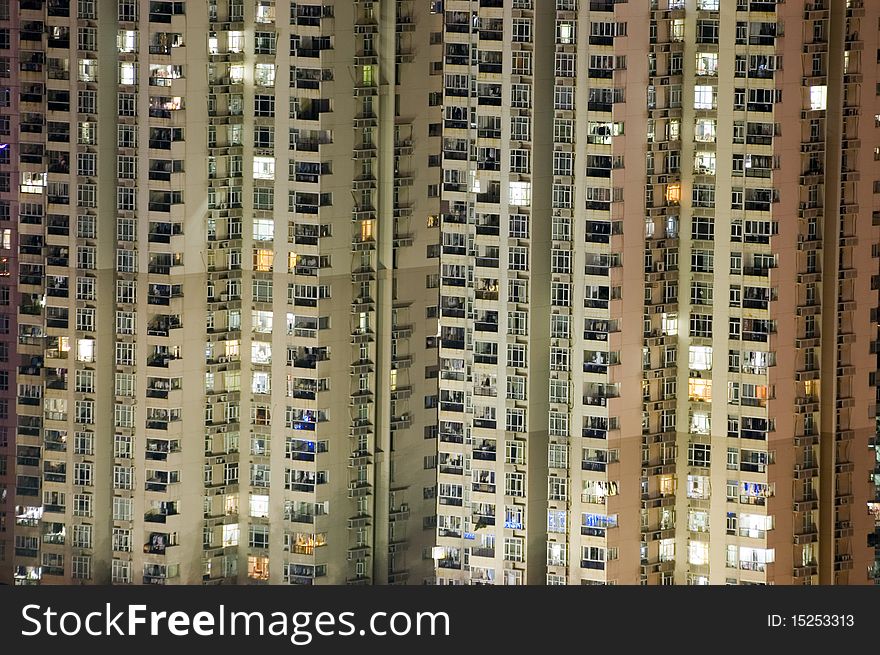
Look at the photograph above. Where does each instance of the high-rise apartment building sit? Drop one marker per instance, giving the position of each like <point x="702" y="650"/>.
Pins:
<point x="229" y="254"/>
<point x="658" y="292"/>
<point x="9" y="127"/>
<point x="220" y="218"/>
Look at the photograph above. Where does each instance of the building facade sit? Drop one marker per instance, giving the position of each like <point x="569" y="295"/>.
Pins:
<point x="226" y="308"/>
<point x="466" y="292"/>
<point x="658" y="292"/>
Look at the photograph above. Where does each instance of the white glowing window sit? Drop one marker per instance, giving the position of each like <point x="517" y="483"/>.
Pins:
<point x="698" y="521"/>
<point x="261" y="353"/>
<point x="474" y="182"/>
<point x="264" y="74"/>
<point x="236" y="42"/>
<point x="259" y="505"/>
<point x="236" y="74"/>
<point x="704" y="130"/>
<point x="127" y="72"/>
<point x="565" y="32"/>
<point x="230" y="535"/>
<point x="698" y="552"/>
<point x="707" y="63"/>
<point x="260" y="382"/>
<point x="754" y="525"/>
<point x="757" y="556"/>
<point x="88" y="70"/>
<point x="163" y="72"/>
<point x="669" y="324"/>
<point x="33" y="182"/>
<point x="264" y="12"/>
<point x="264" y="168"/>
<point x="818" y="97"/>
<point x="85" y="350"/>
<point x="262" y="321"/>
<point x="126" y="41"/>
<point x="520" y="194"/>
<point x="704" y="163"/>
<point x="264" y="229"/>
<point x="700" y="423"/>
<point x="700" y="358"/>
<point x="698" y="486"/>
<point x="213" y="44"/>
<point x="704" y="97"/>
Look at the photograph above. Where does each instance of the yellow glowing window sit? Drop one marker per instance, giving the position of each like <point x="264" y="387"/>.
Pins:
<point x="699" y="389"/>
<point x="369" y="75"/>
<point x="673" y="194"/>
<point x="263" y="260"/>
<point x="232" y="348"/>
<point x="667" y="485"/>
<point x="258" y="567"/>
<point x="366" y="230"/>
<point x="811" y="387"/>
<point x="292" y="258"/>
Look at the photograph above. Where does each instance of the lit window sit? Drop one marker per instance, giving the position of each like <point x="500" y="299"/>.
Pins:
<point x="259" y="506"/>
<point x="127" y="73"/>
<point x="700" y="423"/>
<point x="704" y="130"/>
<point x="704" y="97"/>
<point x="263" y="260"/>
<point x="88" y="70"/>
<point x="236" y="42"/>
<point x="32" y="182"/>
<point x="707" y="63"/>
<point x="698" y="552"/>
<point x="700" y="389"/>
<point x="85" y="350"/>
<point x="236" y="74"/>
<point x="258" y="567"/>
<point x="264" y="168"/>
<point x="818" y="97"/>
<point x="264" y="74"/>
<point x="230" y="535"/>
<point x="126" y="41"/>
<point x="520" y="194"/>
<point x="698" y="486"/>
<point x="700" y="358"/>
<point x="264" y="229"/>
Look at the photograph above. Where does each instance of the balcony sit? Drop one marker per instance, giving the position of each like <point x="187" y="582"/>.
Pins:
<point x="595" y="465"/>
<point x="592" y="564"/>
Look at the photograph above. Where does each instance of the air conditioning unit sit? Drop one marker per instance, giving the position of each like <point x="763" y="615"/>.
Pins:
<point x="222" y="399"/>
<point x="224" y="297"/>
<point x="660" y="267"/>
